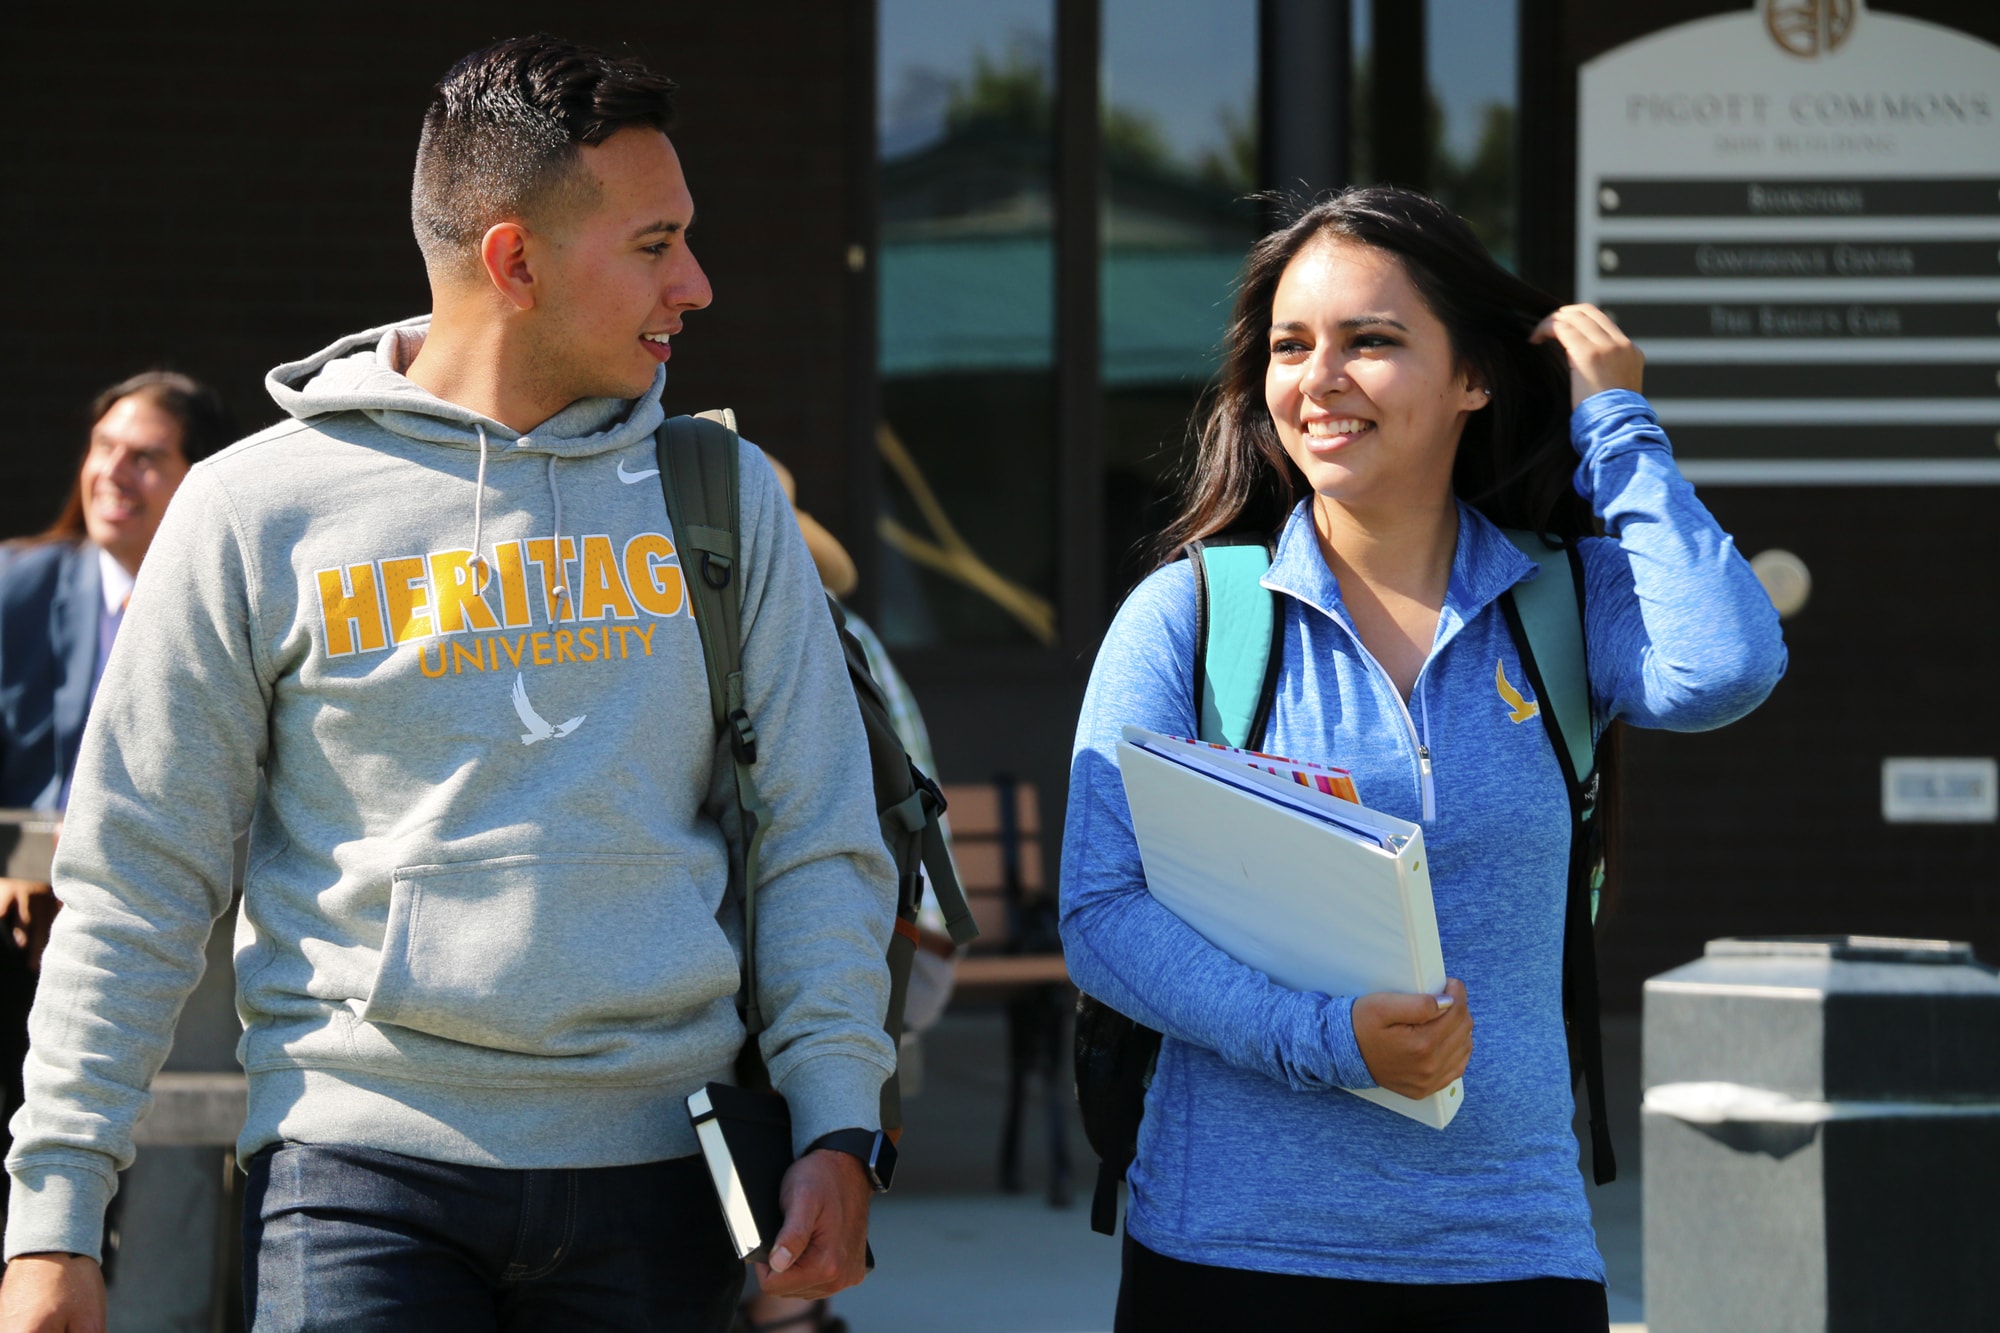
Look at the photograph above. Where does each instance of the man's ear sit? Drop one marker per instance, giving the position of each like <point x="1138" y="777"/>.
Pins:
<point x="503" y="254"/>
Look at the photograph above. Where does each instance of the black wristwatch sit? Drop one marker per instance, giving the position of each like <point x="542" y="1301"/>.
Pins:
<point x="871" y="1147"/>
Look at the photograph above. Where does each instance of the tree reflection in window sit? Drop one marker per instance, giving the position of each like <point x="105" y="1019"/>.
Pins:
<point x="967" y="323"/>
<point x="1470" y="103"/>
<point x="1178" y="114"/>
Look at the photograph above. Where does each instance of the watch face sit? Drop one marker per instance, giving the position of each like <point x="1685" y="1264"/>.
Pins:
<point x="885" y="1161"/>
<point x="872" y="1148"/>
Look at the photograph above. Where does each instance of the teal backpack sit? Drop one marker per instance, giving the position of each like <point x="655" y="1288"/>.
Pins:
<point x="1238" y="650"/>
<point x="699" y="474"/>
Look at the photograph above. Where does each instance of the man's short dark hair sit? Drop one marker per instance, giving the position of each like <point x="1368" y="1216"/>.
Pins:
<point x="502" y="135"/>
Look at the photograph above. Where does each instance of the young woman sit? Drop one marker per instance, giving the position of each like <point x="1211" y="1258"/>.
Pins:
<point x="1391" y="396"/>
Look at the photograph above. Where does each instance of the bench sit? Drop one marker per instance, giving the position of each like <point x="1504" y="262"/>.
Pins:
<point x="194" y="1111"/>
<point x="996" y="841"/>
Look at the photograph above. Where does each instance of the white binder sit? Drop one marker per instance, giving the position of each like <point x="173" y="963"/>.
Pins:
<point x="1317" y="893"/>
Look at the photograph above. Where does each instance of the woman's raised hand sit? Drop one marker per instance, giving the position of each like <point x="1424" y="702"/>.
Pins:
<point x="1600" y="356"/>
<point x="1414" y="1044"/>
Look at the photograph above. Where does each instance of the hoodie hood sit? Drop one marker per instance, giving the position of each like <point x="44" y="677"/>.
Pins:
<point x="363" y="372"/>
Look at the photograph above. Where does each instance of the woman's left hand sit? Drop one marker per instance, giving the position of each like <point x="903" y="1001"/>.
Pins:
<point x="1600" y="356"/>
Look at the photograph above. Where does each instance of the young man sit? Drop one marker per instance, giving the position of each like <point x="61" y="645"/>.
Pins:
<point x="485" y="952"/>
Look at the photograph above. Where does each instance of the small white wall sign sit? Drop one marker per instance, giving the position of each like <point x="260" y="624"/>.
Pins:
<point x="1940" y="791"/>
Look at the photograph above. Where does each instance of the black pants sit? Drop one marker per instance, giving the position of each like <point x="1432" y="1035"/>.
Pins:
<point x="1162" y="1295"/>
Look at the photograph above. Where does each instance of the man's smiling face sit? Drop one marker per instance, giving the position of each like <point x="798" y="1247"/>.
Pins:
<point x="132" y="469"/>
<point x="614" y="278"/>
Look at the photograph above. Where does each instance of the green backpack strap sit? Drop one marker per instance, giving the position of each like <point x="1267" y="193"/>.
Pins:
<point x="1545" y="616"/>
<point x="699" y="474"/>
<point x="1236" y="628"/>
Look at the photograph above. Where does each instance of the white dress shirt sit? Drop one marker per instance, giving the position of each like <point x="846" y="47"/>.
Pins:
<point x="117" y="591"/>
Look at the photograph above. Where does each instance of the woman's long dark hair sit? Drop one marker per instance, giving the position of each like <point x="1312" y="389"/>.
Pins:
<point x="1514" y="459"/>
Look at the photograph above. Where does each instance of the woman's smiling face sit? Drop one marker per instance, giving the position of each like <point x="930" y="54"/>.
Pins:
<point x="1363" y="385"/>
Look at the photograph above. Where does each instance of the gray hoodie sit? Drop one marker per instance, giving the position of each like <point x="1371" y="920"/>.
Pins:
<point x="484" y="920"/>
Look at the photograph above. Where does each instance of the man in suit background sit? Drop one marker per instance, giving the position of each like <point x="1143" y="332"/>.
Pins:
<point x="62" y="598"/>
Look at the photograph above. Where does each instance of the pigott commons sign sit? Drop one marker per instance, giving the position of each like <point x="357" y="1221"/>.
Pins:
<point x="1796" y="209"/>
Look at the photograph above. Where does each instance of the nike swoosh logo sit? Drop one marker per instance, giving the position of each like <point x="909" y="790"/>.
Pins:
<point x="629" y="477"/>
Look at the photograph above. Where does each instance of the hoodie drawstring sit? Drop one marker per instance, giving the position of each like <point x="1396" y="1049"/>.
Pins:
<point x="555" y="548"/>
<point x="479" y="571"/>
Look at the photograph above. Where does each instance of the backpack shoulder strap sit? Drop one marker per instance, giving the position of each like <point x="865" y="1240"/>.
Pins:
<point x="1236" y="627"/>
<point x="700" y="475"/>
<point x="1550" y="607"/>
<point x="1545" y="616"/>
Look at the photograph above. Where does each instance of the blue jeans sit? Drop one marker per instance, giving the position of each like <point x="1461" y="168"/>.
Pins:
<point x="356" y="1240"/>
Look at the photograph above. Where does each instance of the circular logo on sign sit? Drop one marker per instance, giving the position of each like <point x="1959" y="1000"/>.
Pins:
<point x="1809" y="27"/>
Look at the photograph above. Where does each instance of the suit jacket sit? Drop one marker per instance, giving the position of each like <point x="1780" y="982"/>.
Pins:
<point x="51" y="596"/>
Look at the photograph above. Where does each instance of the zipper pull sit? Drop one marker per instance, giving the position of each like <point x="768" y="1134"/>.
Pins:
<point x="1428" y="791"/>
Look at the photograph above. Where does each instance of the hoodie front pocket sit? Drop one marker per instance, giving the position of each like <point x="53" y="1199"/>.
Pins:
<point x="549" y="955"/>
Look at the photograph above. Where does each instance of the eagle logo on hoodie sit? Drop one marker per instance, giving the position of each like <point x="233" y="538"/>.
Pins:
<point x="1519" y="709"/>
<point x="538" y="728"/>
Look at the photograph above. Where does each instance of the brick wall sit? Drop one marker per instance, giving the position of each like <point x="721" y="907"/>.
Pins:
<point x="192" y="191"/>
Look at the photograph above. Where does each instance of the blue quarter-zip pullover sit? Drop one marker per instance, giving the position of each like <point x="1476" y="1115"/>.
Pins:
<point x="1249" y="1155"/>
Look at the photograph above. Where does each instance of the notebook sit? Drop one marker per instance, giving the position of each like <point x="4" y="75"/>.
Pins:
<point x="746" y="1138"/>
<point x="1274" y="868"/>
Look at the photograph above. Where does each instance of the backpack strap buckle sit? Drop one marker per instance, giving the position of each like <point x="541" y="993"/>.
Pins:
<point x="933" y="795"/>
<point x="905" y="817"/>
<point x="718" y="548"/>
<point x="743" y="736"/>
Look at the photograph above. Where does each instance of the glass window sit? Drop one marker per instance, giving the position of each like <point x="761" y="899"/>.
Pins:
<point x="1471" y="63"/>
<point x="967" y="322"/>
<point x="1472" y="56"/>
<point x="1179" y="117"/>
<point x="1360" y="95"/>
